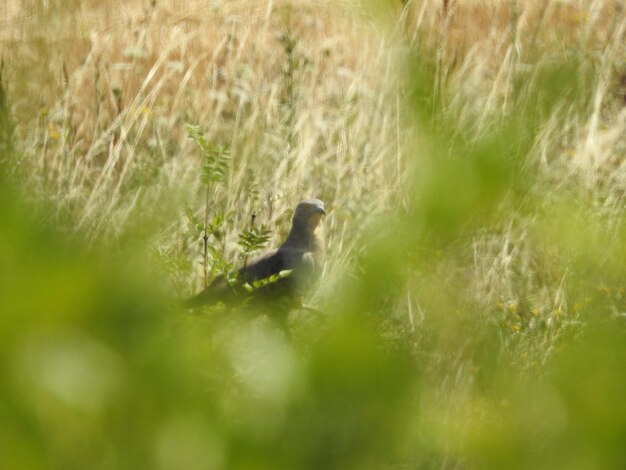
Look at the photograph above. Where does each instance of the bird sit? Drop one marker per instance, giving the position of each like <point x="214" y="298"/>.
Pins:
<point x="280" y="274"/>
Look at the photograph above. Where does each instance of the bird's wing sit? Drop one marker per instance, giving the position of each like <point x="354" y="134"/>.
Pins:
<point x="286" y="288"/>
<point x="221" y="290"/>
<point x="268" y="265"/>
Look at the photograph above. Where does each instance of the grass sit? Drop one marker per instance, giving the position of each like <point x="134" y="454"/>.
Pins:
<point x="470" y="313"/>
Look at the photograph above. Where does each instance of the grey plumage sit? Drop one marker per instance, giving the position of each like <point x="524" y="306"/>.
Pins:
<point x="282" y="273"/>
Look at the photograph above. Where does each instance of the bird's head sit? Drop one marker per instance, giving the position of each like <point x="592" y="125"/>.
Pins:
<point x="309" y="213"/>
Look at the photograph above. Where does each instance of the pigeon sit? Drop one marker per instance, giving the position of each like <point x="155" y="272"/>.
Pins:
<point x="281" y="274"/>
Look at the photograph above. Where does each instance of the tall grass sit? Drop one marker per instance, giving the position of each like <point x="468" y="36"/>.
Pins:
<point x="470" y="313"/>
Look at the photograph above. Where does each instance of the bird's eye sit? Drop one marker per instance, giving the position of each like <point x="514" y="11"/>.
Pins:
<point x="307" y="206"/>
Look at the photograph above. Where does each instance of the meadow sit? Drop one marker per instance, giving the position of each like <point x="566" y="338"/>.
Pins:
<point x="472" y="158"/>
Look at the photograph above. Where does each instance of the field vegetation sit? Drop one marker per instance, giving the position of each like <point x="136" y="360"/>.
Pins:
<point x="471" y="155"/>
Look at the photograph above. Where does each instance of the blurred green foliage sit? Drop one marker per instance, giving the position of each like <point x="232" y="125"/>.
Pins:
<point x="100" y="370"/>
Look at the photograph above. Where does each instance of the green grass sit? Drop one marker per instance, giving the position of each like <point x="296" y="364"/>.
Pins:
<point x="471" y="309"/>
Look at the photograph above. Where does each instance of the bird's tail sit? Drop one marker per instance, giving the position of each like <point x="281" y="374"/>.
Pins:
<point x="218" y="291"/>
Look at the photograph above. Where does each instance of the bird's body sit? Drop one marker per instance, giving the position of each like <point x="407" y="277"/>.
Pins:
<point x="279" y="274"/>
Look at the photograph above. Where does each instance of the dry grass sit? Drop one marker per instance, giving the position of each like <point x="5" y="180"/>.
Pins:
<point x="104" y="120"/>
<point x="306" y="97"/>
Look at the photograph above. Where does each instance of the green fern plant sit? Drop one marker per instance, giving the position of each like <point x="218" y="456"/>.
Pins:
<point x="253" y="240"/>
<point x="214" y="170"/>
<point x="215" y="158"/>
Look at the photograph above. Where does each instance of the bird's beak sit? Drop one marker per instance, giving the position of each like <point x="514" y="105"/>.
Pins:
<point x="320" y="210"/>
